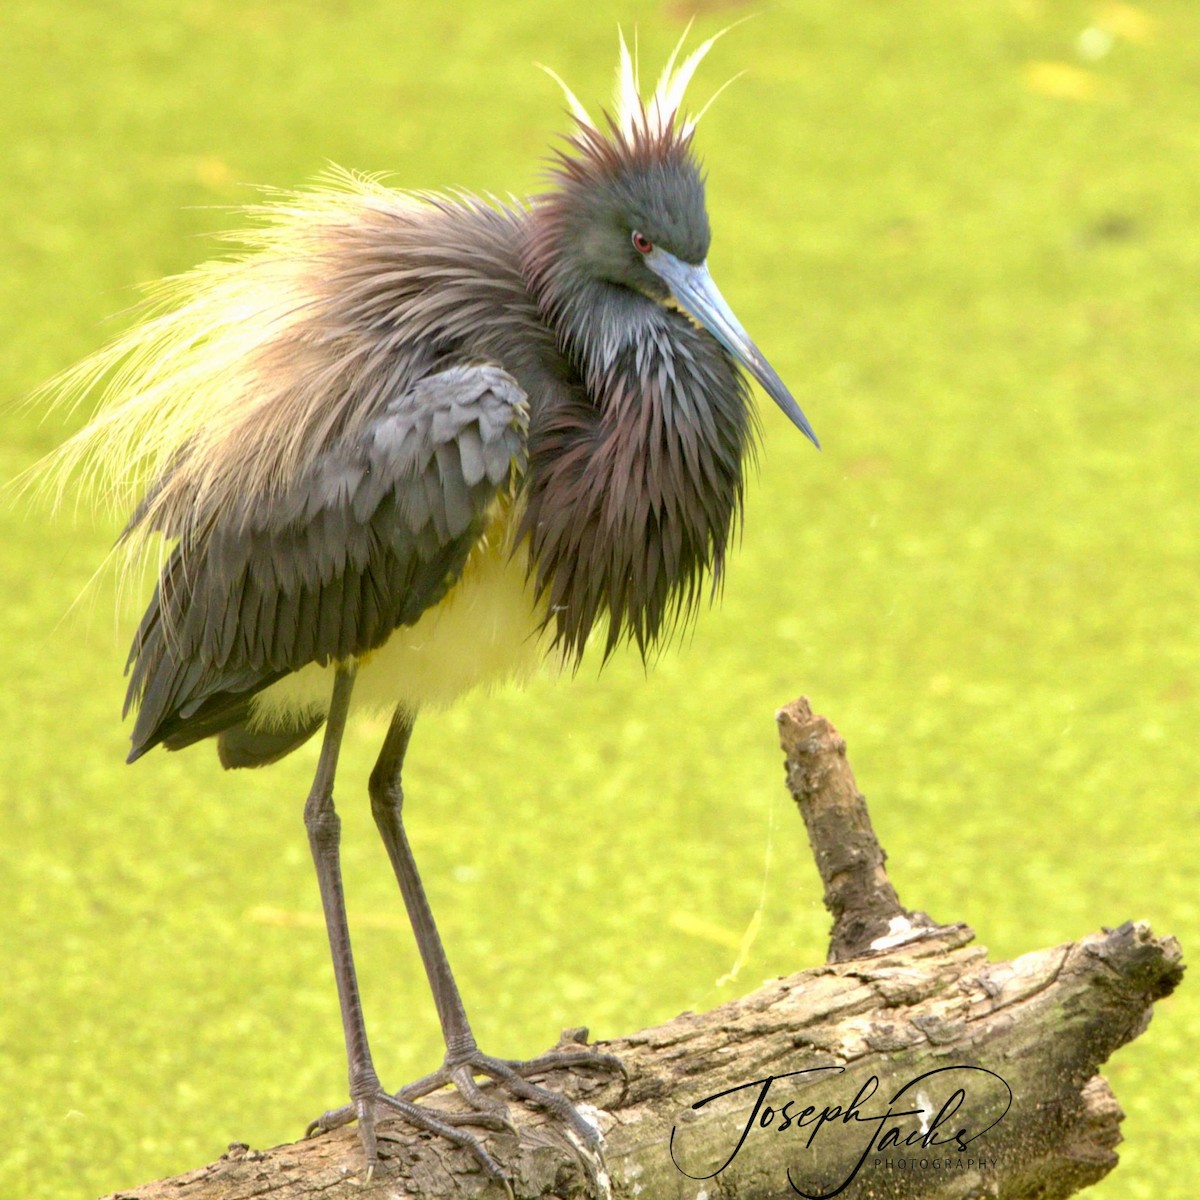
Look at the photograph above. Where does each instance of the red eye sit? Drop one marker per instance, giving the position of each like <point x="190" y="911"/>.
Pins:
<point x="641" y="243"/>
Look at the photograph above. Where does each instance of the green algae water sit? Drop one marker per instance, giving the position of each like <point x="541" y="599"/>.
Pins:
<point x="968" y="237"/>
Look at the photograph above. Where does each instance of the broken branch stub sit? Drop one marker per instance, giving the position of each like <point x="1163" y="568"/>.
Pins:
<point x="867" y="914"/>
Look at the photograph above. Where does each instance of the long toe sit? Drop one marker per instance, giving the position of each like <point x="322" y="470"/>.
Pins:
<point x="424" y="1119"/>
<point x="372" y="1111"/>
<point x="571" y="1060"/>
<point x="484" y="1107"/>
<point x="572" y="1054"/>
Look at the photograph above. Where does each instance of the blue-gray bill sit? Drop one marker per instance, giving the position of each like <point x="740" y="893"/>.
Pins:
<point x="695" y="292"/>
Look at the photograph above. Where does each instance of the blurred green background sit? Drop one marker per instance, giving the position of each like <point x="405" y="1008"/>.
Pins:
<point x="968" y="235"/>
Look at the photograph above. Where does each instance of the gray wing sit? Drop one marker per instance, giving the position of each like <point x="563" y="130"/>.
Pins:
<point x="365" y="540"/>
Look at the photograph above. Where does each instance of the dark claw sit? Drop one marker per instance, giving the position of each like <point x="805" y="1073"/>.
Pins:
<point x="334" y="1118"/>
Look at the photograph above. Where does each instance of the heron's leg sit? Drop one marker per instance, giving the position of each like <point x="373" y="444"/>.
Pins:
<point x="366" y="1093"/>
<point x="463" y="1057"/>
<point x="324" y="828"/>
<point x="387" y="803"/>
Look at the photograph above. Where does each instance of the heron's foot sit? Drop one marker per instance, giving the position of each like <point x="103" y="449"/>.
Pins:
<point x="484" y="1110"/>
<point x="378" y="1105"/>
<point x="572" y="1052"/>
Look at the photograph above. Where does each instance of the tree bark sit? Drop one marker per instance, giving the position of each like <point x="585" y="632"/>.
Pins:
<point x="908" y="1065"/>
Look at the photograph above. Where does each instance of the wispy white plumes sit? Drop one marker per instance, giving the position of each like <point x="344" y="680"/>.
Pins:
<point x="195" y="391"/>
<point x="663" y="108"/>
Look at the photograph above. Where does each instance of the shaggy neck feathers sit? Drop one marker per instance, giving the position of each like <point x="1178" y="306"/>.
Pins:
<point x="635" y="475"/>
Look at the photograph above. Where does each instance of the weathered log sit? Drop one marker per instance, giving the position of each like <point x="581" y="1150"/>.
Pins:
<point x="909" y="1065"/>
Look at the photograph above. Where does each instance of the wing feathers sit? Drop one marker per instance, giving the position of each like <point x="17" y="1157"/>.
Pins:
<point x="366" y="539"/>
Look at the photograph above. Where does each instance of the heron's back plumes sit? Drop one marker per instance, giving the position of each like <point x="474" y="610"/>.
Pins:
<point x="246" y="369"/>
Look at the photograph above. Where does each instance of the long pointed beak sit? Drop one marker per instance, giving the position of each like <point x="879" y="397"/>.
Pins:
<point x="694" y="290"/>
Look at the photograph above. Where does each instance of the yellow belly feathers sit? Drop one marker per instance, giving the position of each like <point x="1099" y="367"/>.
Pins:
<point x="484" y="631"/>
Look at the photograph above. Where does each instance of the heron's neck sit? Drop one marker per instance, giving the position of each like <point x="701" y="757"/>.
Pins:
<point x="635" y="467"/>
<point x="594" y="322"/>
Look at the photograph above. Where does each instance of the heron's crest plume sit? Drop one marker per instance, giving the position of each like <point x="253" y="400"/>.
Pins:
<point x="658" y="116"/>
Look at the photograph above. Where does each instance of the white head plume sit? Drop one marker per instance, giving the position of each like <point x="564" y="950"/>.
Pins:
<point x="664" y="107"/>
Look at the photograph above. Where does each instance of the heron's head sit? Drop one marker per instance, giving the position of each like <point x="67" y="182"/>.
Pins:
<point x="631" y="201"/>
<point x="628" y="212"/>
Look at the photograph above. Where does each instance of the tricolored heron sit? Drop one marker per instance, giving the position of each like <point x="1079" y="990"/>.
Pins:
<point x="407" y="444"/>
